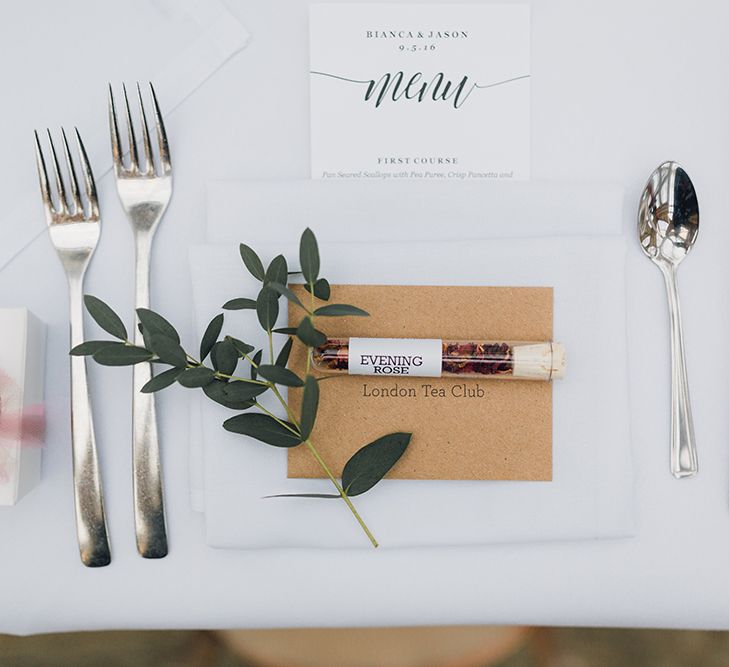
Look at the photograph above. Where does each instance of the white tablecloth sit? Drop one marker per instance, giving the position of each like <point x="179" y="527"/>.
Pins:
<point x="608" y="105"/>
<point x="185" y="41"/>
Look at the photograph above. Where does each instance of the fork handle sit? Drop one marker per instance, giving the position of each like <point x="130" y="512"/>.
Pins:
<point x="149" y="513"/>
<point x="93" y="540"/>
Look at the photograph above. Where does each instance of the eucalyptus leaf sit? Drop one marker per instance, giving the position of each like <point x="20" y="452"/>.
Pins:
<point x="267" y="307"/>
<point x="309" y="256"/>
<point x="283" y="356"/>
<point x="196" y="377"/>
<point x="161" y="381"/>
<point x="240" y="304"/>
<point x="280" y="375"/>
<point x="242" y="348"/>
<point x="256" y="362"/>
<point x="252" y="261"/>
<point x="210" y="337"/>
<point x="322" y="289"/>
<point x="224" y="357"/>
<point x="309" y="335"/>
<point x="278" y="271"/>
<point x="309" y="406"/>
<point x="105" y="317"/>
<point x="216" y="391"/>
<point x="239" y="391"/>
<point x="263" y="428"/>
<point x="146" y="336"/>
<point x="90" y="347"/>
<point x="340" y="310"/>
<point x="371" y="463"/>
<point x="303" y="495"/>
<point x="121" y="354"/>
<point x="153" y="323"/>
<point x="285" y="291"/>
<point x="168" y="351"/>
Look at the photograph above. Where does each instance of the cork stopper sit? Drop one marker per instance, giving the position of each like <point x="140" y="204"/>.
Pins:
<point x="539" y="361"/>
<point x="559" y="361"/>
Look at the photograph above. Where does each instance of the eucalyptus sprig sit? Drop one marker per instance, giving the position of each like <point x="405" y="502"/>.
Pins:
<point x="241" y="390"/>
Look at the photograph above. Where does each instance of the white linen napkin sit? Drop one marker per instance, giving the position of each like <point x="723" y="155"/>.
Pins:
<point x="176" y="44"/>
<point x="591" y="495"/>
<point x="374" y="211"/>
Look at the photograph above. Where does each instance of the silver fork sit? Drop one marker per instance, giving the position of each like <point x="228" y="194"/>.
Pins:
<point x="75" y="233"/>
<point x="145" y="190"/>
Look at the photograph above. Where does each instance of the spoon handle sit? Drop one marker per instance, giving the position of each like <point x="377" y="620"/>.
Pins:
<point x="684" y="462"/>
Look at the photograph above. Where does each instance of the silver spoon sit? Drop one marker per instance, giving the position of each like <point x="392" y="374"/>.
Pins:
<point x="668" y="223"/>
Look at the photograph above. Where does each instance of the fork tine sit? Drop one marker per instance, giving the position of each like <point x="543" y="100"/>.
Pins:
<point x="88" y="177"/>
<point x="114" y="130"/>
<point x="43" y="175"/>
<point x="133" y="156"/>
<point x="145" y="134"/>
<point x="62" y="203"/>
<point x="78" y="206"/>
<point x="164" y="149"/>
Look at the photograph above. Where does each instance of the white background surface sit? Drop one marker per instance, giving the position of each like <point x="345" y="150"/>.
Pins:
<point x="186" y="41"/>
<point x="609" y="102"/>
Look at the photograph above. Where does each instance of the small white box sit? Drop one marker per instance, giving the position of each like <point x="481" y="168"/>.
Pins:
<point x="22" y="366"/>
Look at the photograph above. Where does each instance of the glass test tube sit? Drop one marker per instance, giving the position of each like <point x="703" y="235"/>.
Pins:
<point x="517" y="360"/>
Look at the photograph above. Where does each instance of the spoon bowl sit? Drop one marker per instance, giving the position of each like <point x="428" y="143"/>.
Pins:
<point x="668" y="219"/>
<point x="668" y="224"/>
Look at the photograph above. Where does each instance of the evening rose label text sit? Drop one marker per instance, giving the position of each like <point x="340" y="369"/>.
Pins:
<point x="395" y="357"/>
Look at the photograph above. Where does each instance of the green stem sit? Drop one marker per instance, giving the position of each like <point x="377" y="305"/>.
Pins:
<point x="274" y="417"/>
<point x="341" y="491"/>
<point x="322" y="464"/>
<point x="285" y="405"/>
<point x="308" y="349"/>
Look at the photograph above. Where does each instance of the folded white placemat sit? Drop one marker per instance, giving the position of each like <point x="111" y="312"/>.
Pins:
<point x="176" y="44"/>
<point x="404" y="210"/>
<point x="591" y="495"/>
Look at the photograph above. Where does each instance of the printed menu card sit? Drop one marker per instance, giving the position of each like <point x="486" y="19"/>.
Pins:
<point x="417" y="91"/>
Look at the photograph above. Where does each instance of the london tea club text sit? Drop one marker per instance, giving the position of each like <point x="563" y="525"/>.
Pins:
<point x="465" y="390"/>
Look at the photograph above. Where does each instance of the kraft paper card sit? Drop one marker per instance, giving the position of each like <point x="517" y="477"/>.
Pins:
<point x="462" y="428"/>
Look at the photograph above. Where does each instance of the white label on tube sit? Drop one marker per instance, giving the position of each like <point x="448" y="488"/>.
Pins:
<point x="395" y="356"/>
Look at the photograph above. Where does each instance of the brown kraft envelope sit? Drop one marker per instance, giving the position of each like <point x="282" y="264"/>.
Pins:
<point x="469" y="428"/>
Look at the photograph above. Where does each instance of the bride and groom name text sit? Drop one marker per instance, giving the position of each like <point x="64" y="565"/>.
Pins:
<point x="426" y="390"/>
<point x="416" y="34"/>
